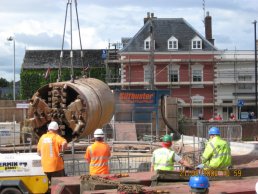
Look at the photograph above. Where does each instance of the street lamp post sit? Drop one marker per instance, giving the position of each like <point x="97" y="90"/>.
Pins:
<point x="255" y="69"/>
<point x="11" y="38"/>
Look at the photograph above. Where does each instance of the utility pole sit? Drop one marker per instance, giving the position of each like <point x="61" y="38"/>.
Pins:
<point x="151" y="57"/>
<point x="255" y="64"/>
<point x="12" y="38"/>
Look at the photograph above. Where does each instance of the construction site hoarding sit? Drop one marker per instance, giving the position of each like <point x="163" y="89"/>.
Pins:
<point x="9" y="133"/>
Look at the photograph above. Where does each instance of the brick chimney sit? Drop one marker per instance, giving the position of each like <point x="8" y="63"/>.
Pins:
<point x="147" y="18"/>
<point x="149" y="15"/>
<point x="208" y="28"/>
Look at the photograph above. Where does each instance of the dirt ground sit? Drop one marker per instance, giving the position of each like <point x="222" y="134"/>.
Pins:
<point x="239" y="160"/>
<point x="245" y="161"/>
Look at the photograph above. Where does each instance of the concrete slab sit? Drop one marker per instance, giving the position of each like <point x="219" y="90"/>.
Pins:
<point x="126" y="132"/>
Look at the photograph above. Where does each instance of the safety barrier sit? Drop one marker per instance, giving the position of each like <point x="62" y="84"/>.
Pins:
<point x="117" y="164"/>
<point x="231" y="132"/>
<point x="126" y="161"/>
<point x="10" y="141"/>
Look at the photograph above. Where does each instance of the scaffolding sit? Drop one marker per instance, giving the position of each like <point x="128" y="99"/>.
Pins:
<point x="232" y="77"/>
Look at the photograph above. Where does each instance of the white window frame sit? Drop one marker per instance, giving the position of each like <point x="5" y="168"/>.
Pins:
<point x="146" y="77"/>
<point x="147" y="43"/>
<point x="172" y="68"/>
<point x="172" y="43"/>
<point x="244" y="78"/>
<point x="245" y="86"/>
<point x="197" y="106"/>
<point x="197" y="75"/>
<point x="242" y="85"/>
<point x="196" y="43"/>
<point x="195" y="68"/>
<point x="146" y="73"/>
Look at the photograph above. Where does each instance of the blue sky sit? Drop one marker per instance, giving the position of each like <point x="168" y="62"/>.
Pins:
<point x="38" y="24"/>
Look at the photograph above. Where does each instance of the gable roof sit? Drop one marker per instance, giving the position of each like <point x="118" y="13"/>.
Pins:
<point x="42" y="59"/>
<point x="163" y="29"/>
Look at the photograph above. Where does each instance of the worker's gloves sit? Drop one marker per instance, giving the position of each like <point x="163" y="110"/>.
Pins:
<point x="61" y="154"/>
<point x="200" y="166"/>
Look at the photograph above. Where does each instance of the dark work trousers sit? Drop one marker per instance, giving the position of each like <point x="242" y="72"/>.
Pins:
<point x="60" y="173"/>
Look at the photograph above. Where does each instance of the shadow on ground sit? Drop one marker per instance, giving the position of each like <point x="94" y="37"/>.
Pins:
<point x="247" y="160"/>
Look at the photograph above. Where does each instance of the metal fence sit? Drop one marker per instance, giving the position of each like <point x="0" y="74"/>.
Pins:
<point x="229" y="132"/>
<point x="196" y="145"/>
<point x="126" y="161"/>
<point x="117" y="164"/>
<point x="15" y="141"/>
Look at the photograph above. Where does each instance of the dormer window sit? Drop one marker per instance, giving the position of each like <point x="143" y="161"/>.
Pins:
<point x="172" y="43"/>
<point x="196" y="43"/>
<point x="147" y="43"/>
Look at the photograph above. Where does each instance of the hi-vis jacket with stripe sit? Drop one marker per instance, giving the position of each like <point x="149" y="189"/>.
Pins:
<point x="98" y="155"/>
<point x="49" y="146"/>
<point x="163" y="159"/>
<point x="217" y="154"/>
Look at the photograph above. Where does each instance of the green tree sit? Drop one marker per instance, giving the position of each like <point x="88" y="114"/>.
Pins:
<point x="3" y="83"/>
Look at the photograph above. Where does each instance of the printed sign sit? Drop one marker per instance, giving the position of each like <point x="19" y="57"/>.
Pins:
<point x="135" y="97"/>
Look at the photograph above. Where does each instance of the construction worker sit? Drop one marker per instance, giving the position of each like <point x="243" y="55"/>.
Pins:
<point x="218" y="118"/>
<point x="51" y="147"/>
<point x="232" y="117"/>
<point x="98" y="154"/>
<point x="164" y="158"/>
<point x="199" y="184"/>
<point x="217" y="152"/>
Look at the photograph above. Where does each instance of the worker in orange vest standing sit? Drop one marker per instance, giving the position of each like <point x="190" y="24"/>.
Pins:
<point x="98" y="154"/>
<point x="51" y="147"/>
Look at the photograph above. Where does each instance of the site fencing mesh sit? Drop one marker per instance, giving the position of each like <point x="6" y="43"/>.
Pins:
<point x="117" y="164"/>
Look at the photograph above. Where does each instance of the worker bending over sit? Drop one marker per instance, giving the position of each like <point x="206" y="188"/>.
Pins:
<point x="98" y="154"/>
<point x="199" y="184"/>
<point x="51" y="147"/>
<point x="217" y="153"/>
<point x="164" y="158"/>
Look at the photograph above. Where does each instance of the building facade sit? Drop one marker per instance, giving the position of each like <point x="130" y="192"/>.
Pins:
<point x="171" y="54"/>
<point x="234" y="90"/>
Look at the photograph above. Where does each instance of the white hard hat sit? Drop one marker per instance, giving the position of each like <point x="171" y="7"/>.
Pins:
<point x="98" y="133"/>
<point x="53" y="126"/>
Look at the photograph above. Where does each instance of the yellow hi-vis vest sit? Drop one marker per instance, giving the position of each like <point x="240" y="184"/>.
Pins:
<point x="217" y="154"/>
<point x="163" y="159"/>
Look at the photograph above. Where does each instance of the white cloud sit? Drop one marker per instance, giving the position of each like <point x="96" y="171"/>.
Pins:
<point x="38" y="24"/>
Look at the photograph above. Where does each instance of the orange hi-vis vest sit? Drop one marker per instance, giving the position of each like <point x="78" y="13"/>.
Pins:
<point x="98" y="155"/>
<point x="50" y="145"/>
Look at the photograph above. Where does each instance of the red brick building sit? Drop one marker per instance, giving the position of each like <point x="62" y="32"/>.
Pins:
<point x="168" y="53"/>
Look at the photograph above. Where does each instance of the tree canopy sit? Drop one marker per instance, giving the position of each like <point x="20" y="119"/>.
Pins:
<point x="3" y="82"/>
